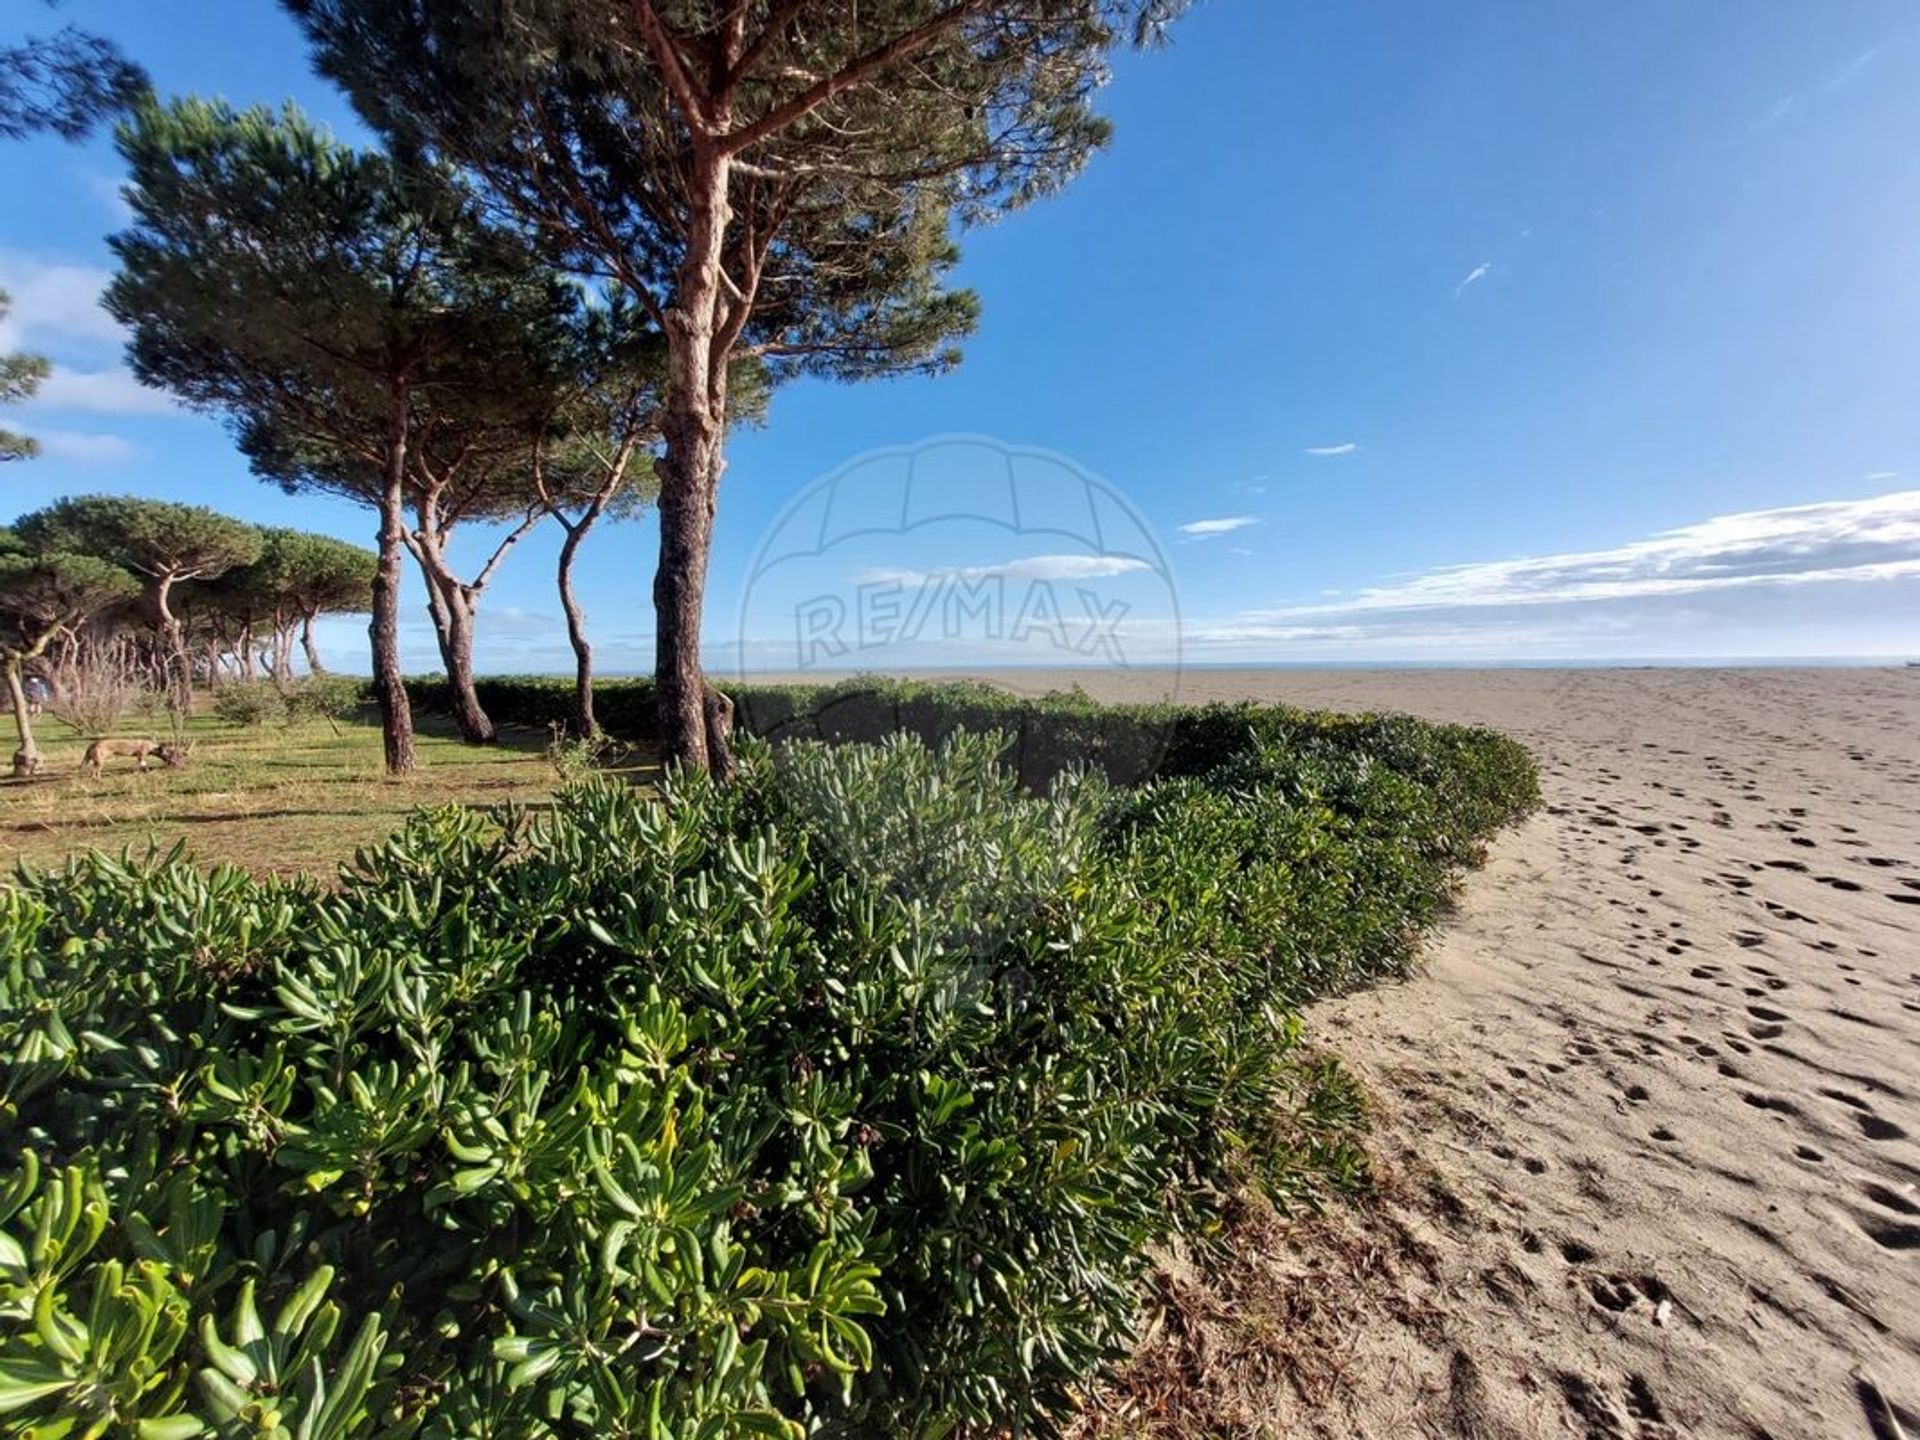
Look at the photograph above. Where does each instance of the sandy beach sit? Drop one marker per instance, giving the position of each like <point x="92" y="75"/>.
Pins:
<point x="1651" y="1116"/>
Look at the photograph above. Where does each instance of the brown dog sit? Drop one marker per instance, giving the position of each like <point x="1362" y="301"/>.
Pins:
<point x="172" y="756"/>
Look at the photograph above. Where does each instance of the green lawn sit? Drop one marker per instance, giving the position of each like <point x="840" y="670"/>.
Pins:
<point x="274" y="798"/>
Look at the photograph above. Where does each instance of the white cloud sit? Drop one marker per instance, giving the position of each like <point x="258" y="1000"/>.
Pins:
<point x="1847" y="540"/>
<point x="1033" y="567"/>
<point x="107" y="190"/>
<point x="56" y="310"/>
<point x="54" y="302"/>
<point x="1325" y="451"/>
<point x="1207" y="529"/>
<point x="104" y="392"/>
<point x="1474" y="277"/>
<point x="1884" y="475"/>
<point x="84" y="447"/>
<point x="518" y="623"/>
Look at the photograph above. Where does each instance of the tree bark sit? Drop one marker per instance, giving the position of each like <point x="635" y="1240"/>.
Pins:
<point x="26" y="759"/>
<point x="584" y="724"/>
<point x="282" y="656"/>
<point x="389" y="681"/>
<point x="692" y="426"/>
<point x="451" y="609"/>
<point x="453" y="613"/>
<point x="173" y="640"/>
<point x="454" y="604"/>
<point x="314" y="667"/>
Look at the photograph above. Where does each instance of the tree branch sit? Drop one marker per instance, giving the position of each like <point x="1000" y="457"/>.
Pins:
<point x="673" y="68"/>
<point x="849" y="75"/>
<point x="763" y="42"/>
<point x="486" y="571"/>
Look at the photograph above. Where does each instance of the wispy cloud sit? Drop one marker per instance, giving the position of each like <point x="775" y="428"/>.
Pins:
<point x="102" y="392"/>
<point x="1884" y="475"/>
<point x="109" y="191"/>
<point x="1474" y="277"/>
<point x="1328" y="450"/>
<point x="1845" y="540"/>
<point x="56" y="311"/>
<point x="1839" y="577"/>
<point x="1032" y="567"/>
<point x="1837" y="79"/>
<point x="84" y="447"/>
<point x="54" y="302"/>
<point x="1208" y="529"/>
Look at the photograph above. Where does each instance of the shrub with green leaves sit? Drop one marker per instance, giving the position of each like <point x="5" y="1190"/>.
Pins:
<point x="845" y="1099"/>
<point x="249" y="703"/>
<point x="332" y="698"/>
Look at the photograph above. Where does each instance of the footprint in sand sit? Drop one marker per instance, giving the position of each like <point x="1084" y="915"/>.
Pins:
<point x="1575" y="1252"/>
<point x="1633" y="1413"/>
<point x="1893" y="1234"/>
<point x="1876" y="1127"/>
<point x="1890" y="1199"/>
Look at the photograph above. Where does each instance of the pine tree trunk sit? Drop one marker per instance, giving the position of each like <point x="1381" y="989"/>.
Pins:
<point x="173" y="641"/>
<point x="468" y="714"/>
<point x="693" y="427"/>
<point x="584" y="724"/>
<point x="314" y="667"/>
<point x="26" y="759"/>
<point x="389" y="681"/>
<point x="452" y="610"/>
<point x="450" y="603"/>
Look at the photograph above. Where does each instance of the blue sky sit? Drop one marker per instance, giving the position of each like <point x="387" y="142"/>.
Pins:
<point x="1395" y="332"/>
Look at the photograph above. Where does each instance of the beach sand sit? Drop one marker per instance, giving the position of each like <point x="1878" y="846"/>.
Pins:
<point x="1650" y="1116"/>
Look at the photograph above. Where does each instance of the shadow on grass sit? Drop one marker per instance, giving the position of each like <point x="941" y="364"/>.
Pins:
<point x="277" y="799"/>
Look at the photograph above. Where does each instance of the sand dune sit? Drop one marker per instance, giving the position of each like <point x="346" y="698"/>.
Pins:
<point x="1654" y="1108"/>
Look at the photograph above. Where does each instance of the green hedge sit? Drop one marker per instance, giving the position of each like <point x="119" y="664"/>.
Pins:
<point x="845" y="1100"/>
<point x="1487" y="775"/>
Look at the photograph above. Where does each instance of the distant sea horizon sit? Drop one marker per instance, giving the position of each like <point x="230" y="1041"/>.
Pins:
<point x="1736" y="662"/>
